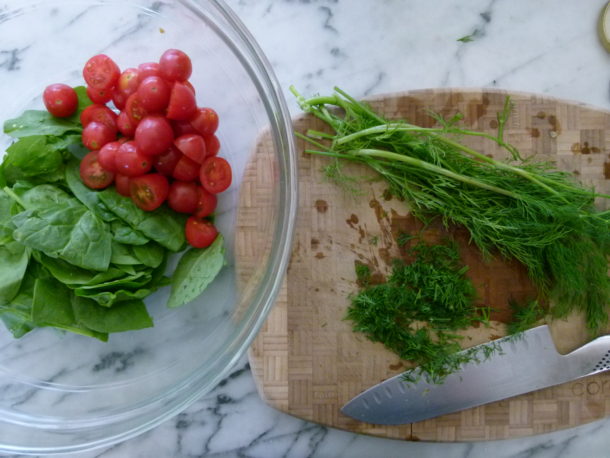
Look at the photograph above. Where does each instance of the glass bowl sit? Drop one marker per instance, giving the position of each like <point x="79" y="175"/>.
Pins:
<point x="63" y="392"/>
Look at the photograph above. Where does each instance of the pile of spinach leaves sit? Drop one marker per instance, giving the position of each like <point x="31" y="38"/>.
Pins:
<point x="81" y="260"/>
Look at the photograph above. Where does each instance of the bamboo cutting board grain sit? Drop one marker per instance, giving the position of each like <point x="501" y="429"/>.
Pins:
<point x="308" y="362"/>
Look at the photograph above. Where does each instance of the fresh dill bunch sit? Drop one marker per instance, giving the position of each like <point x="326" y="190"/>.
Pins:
<point x="520" y="209"/>
<point x="417" y="312"/>
<point x="524" y="316"/>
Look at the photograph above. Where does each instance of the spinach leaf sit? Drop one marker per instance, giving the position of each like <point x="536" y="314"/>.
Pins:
<point x="161" y="225"/>
<point x="31" y="157"/>
<point x="122" y="233"/>
<point x="73" y="276"/>
<point x="112" y="298"/>
<point x="195" y="271"/>
<point x="123" y="254"/>
<point x="43" y="195"/>
<point x="69" y="232"/>
<point x="125" y="316"/>
<point x="136" y="280"/>
<point x="39" y="122"/>
<point x="14" y="259"/>
<point x="2" y="177"/>
<point x="151" y="254"/>
<point x="17" y="315"/>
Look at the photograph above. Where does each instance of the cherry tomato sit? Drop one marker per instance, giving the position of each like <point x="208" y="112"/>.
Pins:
<point x="186" y="169"/>
<point x="182" y="128"/>
<point x="154" y="135"/>
<point x="60" y="100"/>
<point x="205" y="121"/>
<point x="107" y="156"/>
<point x="95" y="135"/>
<point x="134" y="109"/>
<point x="166" y="162"/>
<point x="175" y="65"/>
<point x="182" y="103"/>
<point x="215" y="174"/>
<point x="119" y="98"/>
<point x="93" y="174"/>
<point x="212" y="145"/>
<point x="125" y="125"/>
<point x="192" y="146"/>
<point x="101" y="72"/>
<point x="99" y="113"/>
<point x="200" y="233"/>
<point x="149" y="69"/>
<point x="99" y="95"/>
<point x="121" y="184"/>
<point x="183" y="196"/>
<point x="206" y="203"/>
<point x="149" y="191"/>
<point x="128" y="81"/>
<point x="129" y="161"/>
<point x="190" y="86"/>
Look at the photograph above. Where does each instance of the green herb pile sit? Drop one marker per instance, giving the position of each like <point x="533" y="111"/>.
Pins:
<point x="517" y="208"/>
<point x="417" y="312"/>
<point x="76" y="259"/>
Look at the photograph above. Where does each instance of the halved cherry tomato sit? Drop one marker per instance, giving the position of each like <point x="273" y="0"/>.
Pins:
<point x="206" y="203"/>
<point x="128" y="81"/>
<point x="125" y="125"/>
<point x="101" y="72"/>
<point x="182" y="103"/>
<point x="93" y="174"/>
<point x="129" y="161"/>
<point x="99" y="95"/>
<point x="193" y="146"/>
<point x="95" y="135"/>
<point x="107" y="156"/>
<point x="182" y="128"/>
<point x="121" y="184"/>
<point x="183" y="196"/>
<point x="147" y="69"/>
<point x="134" y="109"/>
<point x="200" y="233"/>
<point x="153" y="93"/>
<point x="212" y="144"/>
<point x="186" y="169"/>
<point x="166" y="162"/>
<point x="60" y="100"/>
<point x="154" y="135"/>
<point x="175" y="65"/>
<point x="99" y="113"/>
<point x="205" y="121"/>
<point x="149" y="191"/>
<point x="215" y="174"/>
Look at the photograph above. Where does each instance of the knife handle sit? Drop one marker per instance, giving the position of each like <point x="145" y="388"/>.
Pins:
<point x="590" y="358"/>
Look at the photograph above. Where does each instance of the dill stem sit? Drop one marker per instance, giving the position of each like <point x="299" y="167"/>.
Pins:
<point x="432" y="168"/>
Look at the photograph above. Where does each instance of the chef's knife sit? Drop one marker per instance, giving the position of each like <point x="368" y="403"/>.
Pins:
<point x="525" y="363"/>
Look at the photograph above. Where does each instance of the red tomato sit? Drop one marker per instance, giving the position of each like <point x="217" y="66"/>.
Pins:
<point x="200" y="233"/>
<point x="107" y="156"/>
<point x="183" y="128"/>
<point x="95" y="135"/>
<point x="186" y="169"/>
<point x="175" y="65"/>
<point x="125" y="125"/>
<point x="193" y="146"/>
<point x="149" y="69"/>
<point x="119" y="99"/>
<point x="99" y="95"/>
<point x="134" y="109"/>
<point x="149" y="191"/>
<point x="205" y="121"/>
<point x="206" y="203"/>
<point x="153" y="93"/>
<point x="121" y="184"/>
<point x="215" y="174"/>
<point x="93" y="174"/>
<point x="166" y="163"/>
<point x="129" y="161"/>
<point x="154" y="135"/>
<point x="99" y="113"/>
<point x="101" y="72"/>
<point x="182" y="103"/>
<point x="60" y="100"/>
<point x="128" y="81"/>
<point x="212" y="144"/>
<point x="183" y="196"/>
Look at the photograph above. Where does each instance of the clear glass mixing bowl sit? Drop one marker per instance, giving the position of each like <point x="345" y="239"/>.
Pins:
<point x="63" y="392"/>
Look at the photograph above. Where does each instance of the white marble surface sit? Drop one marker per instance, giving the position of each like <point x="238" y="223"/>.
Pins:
<point x="379" y="46"/>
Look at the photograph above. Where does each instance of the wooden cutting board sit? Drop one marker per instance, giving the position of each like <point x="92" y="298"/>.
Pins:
<point x="308" y="362"/>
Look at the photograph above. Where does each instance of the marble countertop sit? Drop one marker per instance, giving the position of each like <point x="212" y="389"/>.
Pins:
<point x="372" y="47"/>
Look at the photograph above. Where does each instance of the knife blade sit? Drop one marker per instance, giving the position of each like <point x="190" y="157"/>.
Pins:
<point x="525" y="363"/>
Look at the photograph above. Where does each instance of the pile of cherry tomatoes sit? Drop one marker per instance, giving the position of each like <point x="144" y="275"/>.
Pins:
<point x="156" y="145"/>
